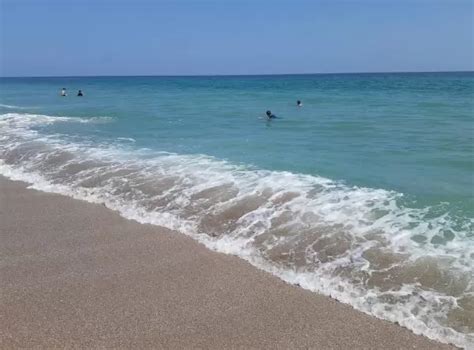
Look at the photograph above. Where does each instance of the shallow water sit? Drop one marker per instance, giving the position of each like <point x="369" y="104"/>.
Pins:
<point x="365" y="193"/>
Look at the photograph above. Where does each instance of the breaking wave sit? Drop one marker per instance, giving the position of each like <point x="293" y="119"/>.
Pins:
<point x="12" y="106"/>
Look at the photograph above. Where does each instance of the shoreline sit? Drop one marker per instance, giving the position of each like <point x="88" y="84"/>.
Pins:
<point x="76" y="274"/>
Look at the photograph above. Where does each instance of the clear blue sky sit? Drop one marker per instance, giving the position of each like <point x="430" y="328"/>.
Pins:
<point x="181" y="37"/>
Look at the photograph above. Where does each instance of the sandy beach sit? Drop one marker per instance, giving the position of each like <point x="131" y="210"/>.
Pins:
<point x="77" y="275"/>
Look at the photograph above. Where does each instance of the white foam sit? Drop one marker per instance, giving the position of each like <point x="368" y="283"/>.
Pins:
<point x="12" y="107"/>
<point x="129" y="139"/>
<point x="27" y="120"/>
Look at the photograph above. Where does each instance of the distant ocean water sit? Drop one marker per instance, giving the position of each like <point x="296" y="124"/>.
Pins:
<point x="366" y="193"/>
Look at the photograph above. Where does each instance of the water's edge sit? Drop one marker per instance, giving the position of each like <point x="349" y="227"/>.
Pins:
<point x="255" y="261"/>
<point x="366" y="247"/>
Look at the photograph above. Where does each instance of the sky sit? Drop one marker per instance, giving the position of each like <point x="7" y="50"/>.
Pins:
<point x="220" y="37"/>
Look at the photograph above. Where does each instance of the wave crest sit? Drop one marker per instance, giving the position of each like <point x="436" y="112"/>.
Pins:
<point x="27" y="121"/>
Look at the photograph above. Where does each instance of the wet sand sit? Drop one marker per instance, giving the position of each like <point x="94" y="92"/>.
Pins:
<point x="75" y="274"/>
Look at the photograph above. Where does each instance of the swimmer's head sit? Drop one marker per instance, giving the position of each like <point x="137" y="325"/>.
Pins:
<point x="269" y="113"/>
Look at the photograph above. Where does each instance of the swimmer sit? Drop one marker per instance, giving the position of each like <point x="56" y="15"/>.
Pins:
<point x="79" y="93"/>
<point x="270" y="115"/>
<point x="299" y="104"/>
<point x="63" y="92"/>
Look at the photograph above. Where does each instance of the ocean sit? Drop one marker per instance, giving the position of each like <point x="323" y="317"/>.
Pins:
<point x="364" y="194"/>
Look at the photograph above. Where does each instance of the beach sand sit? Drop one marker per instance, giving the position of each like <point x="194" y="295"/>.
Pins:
<point x="75" y="274"/>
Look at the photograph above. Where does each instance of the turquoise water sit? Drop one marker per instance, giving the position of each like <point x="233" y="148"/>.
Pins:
<point x="385" y="155"/>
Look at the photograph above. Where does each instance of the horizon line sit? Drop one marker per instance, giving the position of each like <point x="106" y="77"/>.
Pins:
<point x="229" y="75"/>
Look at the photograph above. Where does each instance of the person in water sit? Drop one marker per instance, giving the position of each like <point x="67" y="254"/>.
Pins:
<point x="79" y="93"/>
<point x="299" y="104"/>
<point x="270" y="115"/>
<point x="63" y="92"/>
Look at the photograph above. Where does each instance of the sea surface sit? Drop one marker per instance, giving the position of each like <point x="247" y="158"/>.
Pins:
<point x="365" y="193"/>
